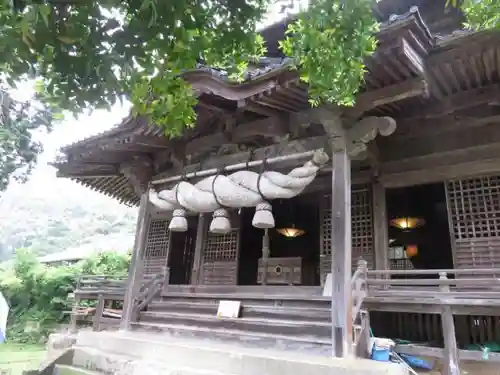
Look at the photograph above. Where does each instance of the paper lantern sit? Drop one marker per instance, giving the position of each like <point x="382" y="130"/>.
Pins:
<point x="411" y="250"/>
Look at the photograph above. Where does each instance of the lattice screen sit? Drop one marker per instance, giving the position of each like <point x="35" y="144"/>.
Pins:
<point x="221" y="247"/>
<point x="220" y="255"/>
<point x="155" y="254"/>
<point x="362" y="229"/>
<point x="474" y="206"/>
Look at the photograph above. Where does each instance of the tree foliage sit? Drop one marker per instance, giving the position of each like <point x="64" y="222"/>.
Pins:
<point x="329" y="44"/>
<point x="38" y="295"/>
<point x="88" y="54"/>
<point x="480" y="14"/>
<point x="18" y="121"/>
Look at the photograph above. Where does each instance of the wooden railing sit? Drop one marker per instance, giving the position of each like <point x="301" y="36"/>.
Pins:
<point x="360" y="318"/>
<point x="108" y="288"/>
<point x="460" y="292"/>
<point x="442" y="287"/>
<point x="149" y="291"/>
<point x="101" y="284"/>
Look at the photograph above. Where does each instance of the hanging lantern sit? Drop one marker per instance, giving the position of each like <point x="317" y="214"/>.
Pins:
<point x="291" y="231"/>
<point x="407" y="223"/>
<point x="411" y="251"/>
<point x="287" y="223"/>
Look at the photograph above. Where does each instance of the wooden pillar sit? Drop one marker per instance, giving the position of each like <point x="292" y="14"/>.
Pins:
<point x="265" y="256"/>
<point x="380" y="228"/>
<point x="135" y="271"/>
<point x="450" y="341"/>
<point x="198" y="250"/>
<point x="341" y="253"/>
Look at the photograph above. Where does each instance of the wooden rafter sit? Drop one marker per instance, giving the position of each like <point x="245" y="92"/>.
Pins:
<point x="78" y="170"/>
<point x="386" y="95"/>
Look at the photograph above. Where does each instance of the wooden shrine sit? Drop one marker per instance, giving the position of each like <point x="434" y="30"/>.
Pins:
<point x="427" y="115"/>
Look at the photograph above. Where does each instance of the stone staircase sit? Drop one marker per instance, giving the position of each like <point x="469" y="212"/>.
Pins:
<point x="282" y="317"/>
<point x="135" y="353"/>
<point x="284" y="322"/>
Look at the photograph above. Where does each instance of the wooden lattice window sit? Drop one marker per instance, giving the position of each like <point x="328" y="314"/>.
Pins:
<point x="157" y="239"/>
<point x="361" y="227"/>
<point x="221" y="247"/>
<point x="475" y="207"/>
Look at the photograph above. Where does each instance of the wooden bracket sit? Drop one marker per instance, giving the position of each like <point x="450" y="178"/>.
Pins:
<point x="139" y="173"/>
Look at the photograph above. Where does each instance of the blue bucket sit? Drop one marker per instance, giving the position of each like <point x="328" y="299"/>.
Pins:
<point x="381" y="354"/>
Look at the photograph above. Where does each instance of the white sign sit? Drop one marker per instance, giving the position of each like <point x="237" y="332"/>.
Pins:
<point x="4" y="313"/>
<point x="229" y="309"/>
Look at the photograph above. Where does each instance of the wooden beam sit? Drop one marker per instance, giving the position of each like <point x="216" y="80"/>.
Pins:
<point x="439" y="167"/>
<point x="460" y="139"/>
<point x="292" y="147"/>
<point x="433" y="127"/>
<point x="386" y="95"/>
<point x="273" y="127"/>
<point x="457" y="102"/>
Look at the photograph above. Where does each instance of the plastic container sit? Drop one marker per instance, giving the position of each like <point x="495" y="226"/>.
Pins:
<point x="381" y="354"/>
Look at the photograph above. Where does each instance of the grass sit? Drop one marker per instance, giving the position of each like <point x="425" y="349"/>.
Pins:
<point x="15" y="358"/>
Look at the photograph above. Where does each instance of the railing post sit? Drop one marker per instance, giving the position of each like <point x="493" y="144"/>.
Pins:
<point x="166" y="278"/>
<point x="74" y="314"/>
<point x="450" y="340"/>
<point x="363" y="267"/>
<point x="98" y="313"/>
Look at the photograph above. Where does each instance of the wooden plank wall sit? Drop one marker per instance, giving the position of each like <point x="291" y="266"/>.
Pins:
<point x="220" y="255"/>
<point x="474" y="210"/>
<point x="362" y="229"/>
<point x="157" y="244"/>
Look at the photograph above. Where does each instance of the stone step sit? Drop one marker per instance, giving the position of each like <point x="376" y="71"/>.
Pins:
<point x="135" y="353"/>
<point x="272" y="326"/>
<point x="247" y="311"/>
<point x="301" y="343"/>
<point x="73" y="370"/>
<point x="288" y="300"/>
<point x="110" y="362"/>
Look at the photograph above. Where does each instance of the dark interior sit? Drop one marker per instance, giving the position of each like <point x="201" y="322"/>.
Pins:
<point x="181" y="255"/>
<point x="303" y="212"/>
<point x="433" y="238"/>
